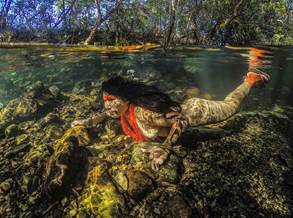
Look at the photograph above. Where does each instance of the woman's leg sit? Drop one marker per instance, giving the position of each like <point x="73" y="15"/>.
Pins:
<point x="201" y="111"/>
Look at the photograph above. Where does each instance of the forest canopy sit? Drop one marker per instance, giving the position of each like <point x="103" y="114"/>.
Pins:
<point x="167" y="22"/>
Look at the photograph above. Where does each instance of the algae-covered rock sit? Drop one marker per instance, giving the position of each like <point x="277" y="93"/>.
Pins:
<point x="32" y="105"/>
<point x="101" y="198"/>
<point x="80" y="133"/>
<point x="33" y="156"/>
<point x="50" y="118"/>
<point x="6" y="185"/>
<point x="67" y="167"/>
<point x="12" y="130"/>
<point x="26" y="108"/>
<point x="171" y="170"/>
<point x="7" y="112"/>
<point x="54" y="132"/>
<point x="54" y="90"/>
<point x="17" y="150"/>
<point x="138" y="184"/>
<point x="21" y="139"/>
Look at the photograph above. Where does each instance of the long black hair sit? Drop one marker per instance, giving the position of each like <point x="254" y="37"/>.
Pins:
<point x="140" y="94"/>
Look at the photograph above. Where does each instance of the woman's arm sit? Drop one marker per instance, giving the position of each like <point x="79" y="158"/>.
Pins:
<point x="92" y="121"/>
<point x="175" y="120"/>
<point x="177" y="125"/>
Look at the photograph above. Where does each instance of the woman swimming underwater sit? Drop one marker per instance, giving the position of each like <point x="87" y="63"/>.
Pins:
<point x="147" y="114"/>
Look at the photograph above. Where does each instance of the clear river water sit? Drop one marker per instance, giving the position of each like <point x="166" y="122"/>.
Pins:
<point x="212" y="71"/>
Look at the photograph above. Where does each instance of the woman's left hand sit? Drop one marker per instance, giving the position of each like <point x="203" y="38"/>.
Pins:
<point x="157" y="156"/>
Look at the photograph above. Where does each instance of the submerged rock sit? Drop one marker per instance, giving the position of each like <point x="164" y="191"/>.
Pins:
<point x="6" y="185"/>
<point x="32" y="105"/>
<point x="54" y="132"/>
<point x="101" y="197"/>
<point x="55" y="91"/>
<point x="66" y="168"/>
<point x="12" y="130"/>
<point x="15" y="151"/>
<point x="136" y="183"/>
<point x="79" y="133"/>
<point x="6" y="115"/>
<point x="21" y="139"/>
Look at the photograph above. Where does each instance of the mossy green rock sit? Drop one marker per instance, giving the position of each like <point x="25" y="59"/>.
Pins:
<point x="140" y="160"/>
<point x="78" y="132"/>
<point x="171" y="170"/>
<point x="12" y="130"/>
<point x="101" y="198"/>
<point x="33" y="156"/>
<point x="138" y="184"/>
<point x="26" y="108"/>
<point x="49" y="119"/>
<point x="21" y="139"/>
<point x="54" y="90"/>
<point x="7" y="112"/>
<point x="6" y="185"/>
<point x="54" y="132"/>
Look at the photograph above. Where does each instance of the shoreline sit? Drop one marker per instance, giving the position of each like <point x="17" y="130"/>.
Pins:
<point x="125" y="48"/>
<point x="77" y="47"/>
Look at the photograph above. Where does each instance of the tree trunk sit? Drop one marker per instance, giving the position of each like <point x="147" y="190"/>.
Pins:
<point x="93" y="32"/>
<point x="90" y="38"/>
<point x="64" y="17"/>
<point x="4" y="13"/>
<point x="227" y="21"/>
<point x="100" y="20"/>
<point x="171" y="25"/>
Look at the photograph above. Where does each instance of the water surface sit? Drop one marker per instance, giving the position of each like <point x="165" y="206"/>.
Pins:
<point x="213" y="71"/>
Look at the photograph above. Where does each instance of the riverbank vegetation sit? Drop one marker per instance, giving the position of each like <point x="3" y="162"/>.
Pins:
<point x="166" y="22"/>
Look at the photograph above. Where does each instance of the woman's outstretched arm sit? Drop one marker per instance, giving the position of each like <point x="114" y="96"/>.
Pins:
<point x="91" y="121"/>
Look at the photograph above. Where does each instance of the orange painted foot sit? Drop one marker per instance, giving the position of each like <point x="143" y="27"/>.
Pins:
<point x="253" y="78"/>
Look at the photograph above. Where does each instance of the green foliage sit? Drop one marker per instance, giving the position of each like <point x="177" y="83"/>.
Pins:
<point x="279" y="39"/>
<point x="207" y="22"/>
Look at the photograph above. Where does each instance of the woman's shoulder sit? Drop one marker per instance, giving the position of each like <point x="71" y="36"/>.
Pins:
<point x="145" y="114"/>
